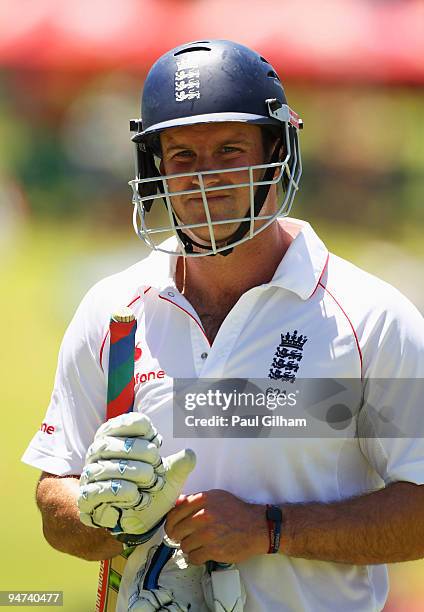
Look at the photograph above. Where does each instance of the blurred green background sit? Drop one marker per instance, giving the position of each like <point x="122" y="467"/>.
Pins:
<point x="65" y="222"/>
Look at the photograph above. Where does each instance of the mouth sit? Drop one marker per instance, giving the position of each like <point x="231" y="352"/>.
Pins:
<point x="209" y="197"/>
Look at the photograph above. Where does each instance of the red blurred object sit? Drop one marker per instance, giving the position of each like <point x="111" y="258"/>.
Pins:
<point x="336" y="40"/>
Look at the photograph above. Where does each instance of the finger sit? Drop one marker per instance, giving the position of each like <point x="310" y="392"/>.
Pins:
<point x="139" y="472"/>
<point x="104" y="516"/>
<point x="164" y="494"/>
<point x="144" y="605"/>
<point x="164" y="596"/>
<point x="198" y="556"/>
<point x="187" y="507"/>
<point x="177" y="468"/>
<point x="182" y="529"/>
<point x="192" y="542"/>
<point x="130" y="425"/>
<point x="119" y="492"/>
<point x="147" y="602"/>
<point x="135" y="449"/>
<point x="152" y="600"/>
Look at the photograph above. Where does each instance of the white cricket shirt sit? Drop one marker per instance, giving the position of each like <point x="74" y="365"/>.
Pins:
<point x="355" y="326"/>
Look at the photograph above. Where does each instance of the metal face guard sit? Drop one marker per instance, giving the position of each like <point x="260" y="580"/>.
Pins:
<point x="288" y="172"/>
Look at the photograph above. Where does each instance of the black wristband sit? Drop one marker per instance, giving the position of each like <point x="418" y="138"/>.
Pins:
<point x="274" y="517"/>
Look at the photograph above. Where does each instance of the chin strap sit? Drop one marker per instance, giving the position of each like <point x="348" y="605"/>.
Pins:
<point x="260" y="197"/>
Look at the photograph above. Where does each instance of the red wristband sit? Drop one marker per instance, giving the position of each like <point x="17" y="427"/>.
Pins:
<point x="270" y="535"/>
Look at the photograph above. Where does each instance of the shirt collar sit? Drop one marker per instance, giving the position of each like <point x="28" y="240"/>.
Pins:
<point x="300" y="269"/>
<point x="303" y="263"/>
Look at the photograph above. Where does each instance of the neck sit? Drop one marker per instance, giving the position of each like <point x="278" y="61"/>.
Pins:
<point x="219" y="279"/>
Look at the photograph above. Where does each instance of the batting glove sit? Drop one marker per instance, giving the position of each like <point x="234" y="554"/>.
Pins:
<point x="157" y="599"/>
<point x="125" y="485"/>
<point x="163" y="581"/>
<point x="223" y="589"/>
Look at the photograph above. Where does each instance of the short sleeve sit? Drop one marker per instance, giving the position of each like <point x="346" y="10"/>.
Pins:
<point x="77" y="405"/>
<point x="391" y="420"/>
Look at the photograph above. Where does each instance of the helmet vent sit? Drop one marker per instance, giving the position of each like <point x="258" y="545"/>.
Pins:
<point x="188" y="49"/>
<point x="264" y="60"/>
<point x="273" y="75"/>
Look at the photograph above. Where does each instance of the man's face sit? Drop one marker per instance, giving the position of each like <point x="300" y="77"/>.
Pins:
<point x="204" y="147"/>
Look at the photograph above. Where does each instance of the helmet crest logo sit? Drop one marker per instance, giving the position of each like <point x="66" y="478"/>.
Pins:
<point x="187" y="82"/>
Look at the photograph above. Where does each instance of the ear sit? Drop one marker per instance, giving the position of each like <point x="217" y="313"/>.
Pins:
<point x="161" y="167"/>
<point x="281" y="148"/>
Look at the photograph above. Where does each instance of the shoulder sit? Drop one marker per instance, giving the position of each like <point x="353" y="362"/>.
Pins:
<point x="385" y="321"/>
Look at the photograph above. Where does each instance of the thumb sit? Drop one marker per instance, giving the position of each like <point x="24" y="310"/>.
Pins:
<point x="177" y="469"/>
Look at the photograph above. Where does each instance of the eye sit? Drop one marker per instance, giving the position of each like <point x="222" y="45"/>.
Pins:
<point x="230" y="149"/>
<point x="183" y="154"/>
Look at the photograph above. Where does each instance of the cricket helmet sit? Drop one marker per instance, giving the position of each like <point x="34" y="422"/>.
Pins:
<point x="207" y="82"/>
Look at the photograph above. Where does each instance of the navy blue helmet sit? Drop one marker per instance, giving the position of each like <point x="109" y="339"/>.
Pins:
<point x="207" y="82"/>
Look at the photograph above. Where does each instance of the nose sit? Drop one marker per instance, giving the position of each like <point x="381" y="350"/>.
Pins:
<point x="203" y="167"/>
<point x="209" y="180"/>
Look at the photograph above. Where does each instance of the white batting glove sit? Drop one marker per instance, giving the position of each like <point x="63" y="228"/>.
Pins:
<point x="157" y="599"/>
<point x="125" y="486"/>
<point x="223" y="589"/>
<point x="160" y="581"/>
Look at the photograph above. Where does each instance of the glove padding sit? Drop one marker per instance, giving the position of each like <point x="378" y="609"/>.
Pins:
<point x="157" y="599"/>
<point x="176" y="585"/>
<point x="223" y="590"/>
<point x="125" y="485"/>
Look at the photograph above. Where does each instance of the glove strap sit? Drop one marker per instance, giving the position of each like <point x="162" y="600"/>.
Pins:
<point x="160" y="558"/>
<point x="134" y="539"/>
<point x="274" y="517"/>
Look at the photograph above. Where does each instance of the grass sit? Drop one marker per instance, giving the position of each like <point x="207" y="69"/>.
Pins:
<point x="34" y="312"/>
<point x="45" y="271"/>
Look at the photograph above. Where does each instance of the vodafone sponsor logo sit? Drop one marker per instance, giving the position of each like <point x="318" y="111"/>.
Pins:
<point x="46" y="428"/>
<point x="137" y="352"/>
<point x="142" y="377"/>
